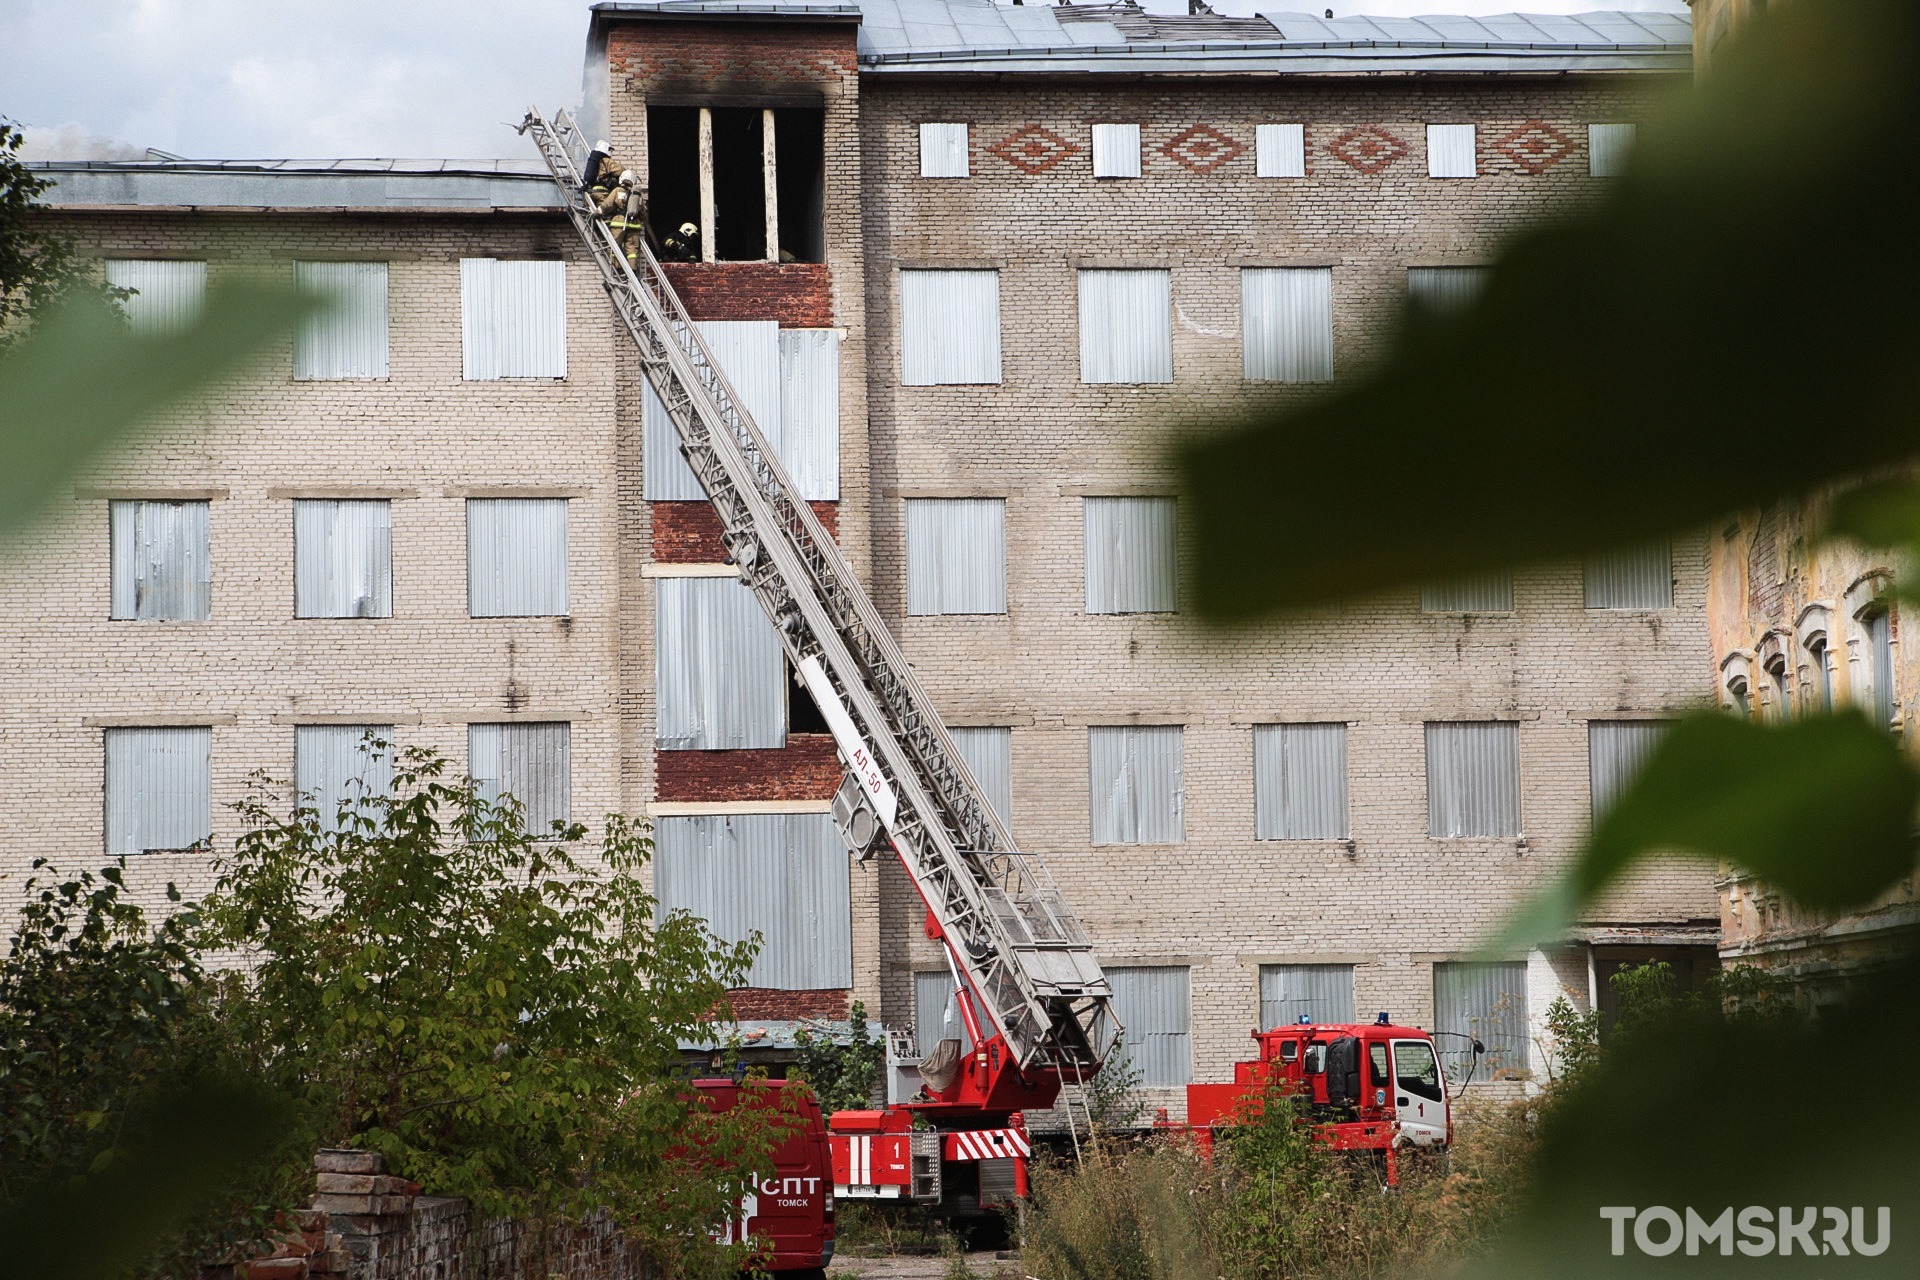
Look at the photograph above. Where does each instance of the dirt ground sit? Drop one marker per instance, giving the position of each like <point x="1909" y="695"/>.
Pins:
<point x="981" y="1266"/>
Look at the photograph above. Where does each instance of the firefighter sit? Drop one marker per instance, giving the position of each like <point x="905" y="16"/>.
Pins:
<point x="625" y="209"/>
<point x="684" y="244"/>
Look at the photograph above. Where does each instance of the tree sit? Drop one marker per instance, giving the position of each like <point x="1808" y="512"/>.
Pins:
<point x="37" y="267"/>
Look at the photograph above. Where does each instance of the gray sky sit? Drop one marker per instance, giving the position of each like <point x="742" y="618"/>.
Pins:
<point x="412" y="78"/>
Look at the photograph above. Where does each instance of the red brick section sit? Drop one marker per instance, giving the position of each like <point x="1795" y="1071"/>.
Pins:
<point x="766" y="1004"/>
<point x="805" y="769"/>
<point x="797" y="294"/>
<point x="689" y="532"/>
<point x="669" y="58"/>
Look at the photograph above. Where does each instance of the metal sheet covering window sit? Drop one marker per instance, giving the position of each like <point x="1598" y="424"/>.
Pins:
<point x="342" y="558"/>
<point x="1487" y="1002"/>
<point x="943" y="150"/>
<point x="783" y="874"/>
<point x="748" y="353"/>
<point x="348" y="339"/>
<point x="807" y="438"/>
<point x="1286" y="324"/>
<point x="1299" y="781"/>
<point x="1126" y="326"/>
<point x="1480" y="593"/>
<point x="1152" y="1002"/>
<point x="1607" y="148"/>
<point x="936" y="1014"/>
<point x="167" y="296"/>
<point x="159" y="789"/>
<point x="1445" y="290"/>
<point x="513" y="319"/>
<point x="1136" y="786"/>
<point x="956" y="555"/>
<point x="1879" y="629"/>
<point x="988" y="752"/>
<point x="1473" y="778"/>
<point x="340" y="765"/>
<point x="531" y="761"/>
<point x="516" y="557"/>
<point x="1280" y="151"/>
<point x="1616" y="751"/>
<point x="1133" y="555"/>
<point x="1631" y="578"/>
<point x="162" y="561"/>
<point x="1450" y="152"/>
<point x="1116" y="151"/>
<point x="718" y="667"/>
<point x="949" y="328"/>
<point x="1322" y="992"/>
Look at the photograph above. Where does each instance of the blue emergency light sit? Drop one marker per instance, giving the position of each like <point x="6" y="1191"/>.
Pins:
<point x="1382" y="1020"/>
<point x="1305" y="1019"/>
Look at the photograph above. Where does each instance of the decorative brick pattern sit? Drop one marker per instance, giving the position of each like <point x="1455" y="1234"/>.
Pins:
<point x="807" y="768"/>
<point x="1034" y="148"/>
<point x="1201" y="148"/>
<point x="689" y="532"/>
<point x="1368" y="148"/>
<point x="1535" y="146"/>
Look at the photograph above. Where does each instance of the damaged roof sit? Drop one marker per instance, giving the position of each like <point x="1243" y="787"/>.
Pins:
<point x="391" y="186"/>
<point x="950" y="36"/>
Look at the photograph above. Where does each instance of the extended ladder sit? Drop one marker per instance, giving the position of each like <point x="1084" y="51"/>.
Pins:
<point x="1022" y="950"/>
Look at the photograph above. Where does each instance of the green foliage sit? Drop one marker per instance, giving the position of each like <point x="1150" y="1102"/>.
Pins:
<point x="1575" y="1036"/>
<point x="1113" y="1098"/>
<point x="37" y="268"/>
<point x="844" y="1072"/>
<point x="498" y="1017"/>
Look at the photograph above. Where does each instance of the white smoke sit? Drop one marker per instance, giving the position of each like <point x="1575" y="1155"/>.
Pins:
<point x="73" y="142"/>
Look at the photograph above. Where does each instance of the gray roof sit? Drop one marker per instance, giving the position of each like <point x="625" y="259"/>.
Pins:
<point x="389" y="186"/>
<point x="952" y="36"/>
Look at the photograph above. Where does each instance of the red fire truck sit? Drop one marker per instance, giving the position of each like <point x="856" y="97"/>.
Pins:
<point x="788" y="1217"/>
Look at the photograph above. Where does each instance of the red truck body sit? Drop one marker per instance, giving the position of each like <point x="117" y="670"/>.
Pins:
<point x="789" y="1214"/>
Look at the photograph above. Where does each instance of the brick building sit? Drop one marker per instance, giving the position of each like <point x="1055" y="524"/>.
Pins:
<point x="965" y="263"/>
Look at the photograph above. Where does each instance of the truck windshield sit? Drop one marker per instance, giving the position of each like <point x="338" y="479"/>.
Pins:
<point x="1415" y="1068"/>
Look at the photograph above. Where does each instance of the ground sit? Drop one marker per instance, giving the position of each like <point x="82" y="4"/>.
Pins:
<point x="985" y="1265"/>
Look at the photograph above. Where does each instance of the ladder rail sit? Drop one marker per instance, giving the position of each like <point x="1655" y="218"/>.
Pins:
<point x="1044" y="990"/>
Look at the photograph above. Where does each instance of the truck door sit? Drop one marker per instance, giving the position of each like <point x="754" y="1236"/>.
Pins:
<point x="1419" y="1098"/>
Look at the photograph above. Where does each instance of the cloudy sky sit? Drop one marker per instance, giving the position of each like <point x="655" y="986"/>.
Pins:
<point x="413" y="78"/>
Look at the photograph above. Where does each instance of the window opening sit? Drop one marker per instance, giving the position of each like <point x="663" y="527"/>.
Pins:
<point x="737" y="184"/>
<point x="1777" y="674"/>
<point x="1822" y="673"/>
<point x="803" y="713"/>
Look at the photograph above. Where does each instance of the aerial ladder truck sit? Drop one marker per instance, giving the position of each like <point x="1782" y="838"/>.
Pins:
<point x="1029" y="990"/>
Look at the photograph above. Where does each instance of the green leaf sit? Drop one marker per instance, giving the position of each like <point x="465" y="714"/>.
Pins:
<point x="80" y="379"/>
<point x="1821" y="808"/>
<point x="1595" y="395"/>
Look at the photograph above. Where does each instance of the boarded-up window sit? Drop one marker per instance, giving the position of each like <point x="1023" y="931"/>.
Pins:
<point x="1286" y="324"/>
<point x="1280" y="151"/>
<point x="1136" y="787"/>
<point x="162" y="561"/>
<point x="338" y="768"/>
<point x="1478" y="593"/>
<point x="516" y="557"/>
<point x="159" y="789"/>
<point x="1445" y="290"/>
<point x="1632" y="578"/>
<point x="1616" y="750"/>
<point x="347" y="339"/>
<point x="1299" y="781"/>
<point x="1487" y="1002"/>
<point x="784" y="875"/>
<point x="342" y="559"/>
<point x="949" y="327"/>
<point x="750" y="356"/>
<point x="513" y="319"/>
<point x="936" y="1013"/>
<point x="956" y="555"/>
<point x="988" y="752"/>
<point x="1126" y="326"/>
<point x="1879" y="629"/>
<point x="807" y="438"/>
<point x="1116" y="151"/>
<point x="943" y="150"/>
<point x="532" y="762"/>
<point x="1450" y="151"/>
<point x="1607" y="148"/>
<point x="1473" y="778"/>
<point x="1152" y="1002"/>
<point x="167" y="296"/>
<point x="1132" y="547"/>
<point x="718" y="666"/>
<point x="1320" y="992"/>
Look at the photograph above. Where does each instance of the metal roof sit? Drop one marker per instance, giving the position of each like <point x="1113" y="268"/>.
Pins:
<point x="955" y="36"/>
<point x="391" y="186"/>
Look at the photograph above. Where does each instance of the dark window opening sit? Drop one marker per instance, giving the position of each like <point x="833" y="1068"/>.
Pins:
<point x="673" y="169"/>
<point x="739" y="191"/>
<point x="800" y="182"/>
<point x="803" y="716"/>
<point x="738" y="177"/>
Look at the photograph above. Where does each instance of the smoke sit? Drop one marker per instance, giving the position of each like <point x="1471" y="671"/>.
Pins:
<point x="73" y="142"/>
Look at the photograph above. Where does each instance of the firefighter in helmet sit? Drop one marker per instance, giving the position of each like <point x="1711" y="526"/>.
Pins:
<point x="625" y="209"/>
<point x="684" y="244"/>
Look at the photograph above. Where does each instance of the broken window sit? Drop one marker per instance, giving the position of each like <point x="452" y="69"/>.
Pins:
<point x="159" y="789"/>
<point x="347" y="338"/>
<point x="1152" y="1002"/>
<point x="1299" y="781"/>
<point x="342" y="559"/>
<point x="340" y="767"/>
<point x="162" y="561"/>
<point x="1323" y="993"/>
<point x="1135" y="779"/>
<point x="532" y="762"/>
<point x="956" y="555"/>
<point x="516" y="557"/>
<point x="752" y="180"/>
<point x="167" y="296"/>
<point x="513" y="319"/>
<point x="1132" y="555"/>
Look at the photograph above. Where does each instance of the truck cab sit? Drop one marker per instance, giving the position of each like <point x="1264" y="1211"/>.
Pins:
<point x="789" y="1213"/>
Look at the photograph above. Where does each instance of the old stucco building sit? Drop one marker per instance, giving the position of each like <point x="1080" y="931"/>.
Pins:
<point x="967" y="262"/>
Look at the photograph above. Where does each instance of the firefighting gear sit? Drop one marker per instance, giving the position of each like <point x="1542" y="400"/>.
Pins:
<point x="684" y="244"/>
<point x="599" y="163"/>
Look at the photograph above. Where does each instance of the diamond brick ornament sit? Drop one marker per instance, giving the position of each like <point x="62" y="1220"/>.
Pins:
<point x="1368" y="148"/>
<point x="1535" y="146"/>
<point x="1033" y="148"/>
<point x="1201" y="148"/>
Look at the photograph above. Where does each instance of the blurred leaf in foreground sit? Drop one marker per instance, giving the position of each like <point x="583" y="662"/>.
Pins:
<point x="80" y="379"/>
<point x="1821" y="808"/>
<point x="1748" y="279"/>
<point x="1886" y="514"/>
<point x="188" y="1149"/>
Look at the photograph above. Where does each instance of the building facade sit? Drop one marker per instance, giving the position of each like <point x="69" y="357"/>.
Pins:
<point x="971" y="267"/>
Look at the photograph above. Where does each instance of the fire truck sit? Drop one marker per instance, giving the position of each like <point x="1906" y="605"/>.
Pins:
<point x="1036" y="1006"/>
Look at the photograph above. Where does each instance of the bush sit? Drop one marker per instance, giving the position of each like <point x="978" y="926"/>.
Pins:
<point x="845" y="1072"/>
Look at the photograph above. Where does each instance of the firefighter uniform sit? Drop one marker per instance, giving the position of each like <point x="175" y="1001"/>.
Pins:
<point x="684" y="244"/>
